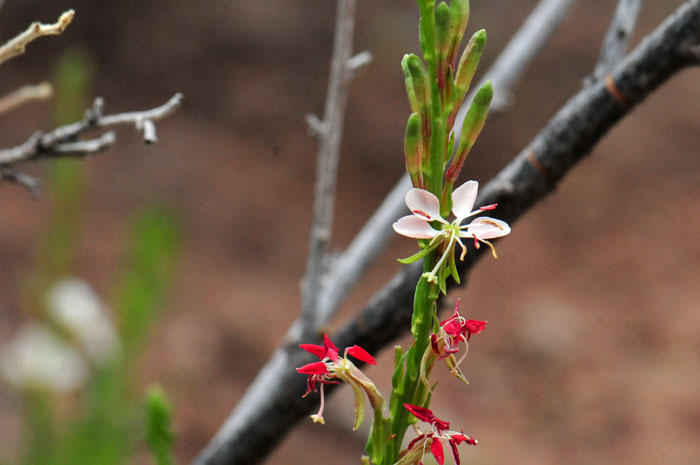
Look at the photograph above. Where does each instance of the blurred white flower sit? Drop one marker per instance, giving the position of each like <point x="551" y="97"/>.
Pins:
<point x="39" y="358"/>
<point x="75" y="307"/>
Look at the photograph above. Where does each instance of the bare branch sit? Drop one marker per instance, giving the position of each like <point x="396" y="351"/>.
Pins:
<point x="617" y="38"/>
<point x="24" y="94"/>
<point x="18" y="44"/>
<point x="63" y="141"/>
<point x="22" y="179"/>
<point x="329" y="134"/>
<point x="253" y="430"/>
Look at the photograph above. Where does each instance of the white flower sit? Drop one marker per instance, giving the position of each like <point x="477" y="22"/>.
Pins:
<point x="425" y="209"/>
<point x="39" y="358"/>
<point x="78" y="310"/>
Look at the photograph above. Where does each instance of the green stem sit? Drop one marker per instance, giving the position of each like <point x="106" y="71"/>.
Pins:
<point x="412" y="390"/>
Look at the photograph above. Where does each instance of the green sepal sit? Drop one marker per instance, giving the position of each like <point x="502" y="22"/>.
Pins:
<point x="419" y="255"/>
<point x="397" y="377"/>
<point x="442" y="278"/>
<point x="452" y="265"/>
<point x="451" y="362"/>
<point x="426" y="364"/>
<point x="359" y="406"/>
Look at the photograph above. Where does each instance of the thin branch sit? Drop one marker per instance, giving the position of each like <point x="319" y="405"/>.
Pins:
<point x="533" y="174"/>
<point x="63" y="141"/>
<point x="25" y="94"/>
<point x="18" y="44"/>
<point x="329" y="132"/>
<point x="617" y="38"/>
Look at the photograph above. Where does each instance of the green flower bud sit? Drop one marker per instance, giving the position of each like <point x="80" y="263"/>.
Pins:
<point x="413" y="148"/>
<point x="468" y="63"/>
<point x="443" y="39"/>
<point x="473" y="124"/>
<point x="459" y="10"/>
<point x="417" y="83"/>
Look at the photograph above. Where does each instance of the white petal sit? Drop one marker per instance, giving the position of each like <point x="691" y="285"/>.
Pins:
<point x="424" y="204"/>
<point x="413" y="226"/>
<point x="487" y="228"/>
<point x="463" y="199"/>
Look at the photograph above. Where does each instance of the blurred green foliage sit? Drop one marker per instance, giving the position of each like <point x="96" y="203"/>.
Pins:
<point x="101" y="424"/>
<point x="159" y="435"/>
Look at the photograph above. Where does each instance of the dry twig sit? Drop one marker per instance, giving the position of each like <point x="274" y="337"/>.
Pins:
<point x="25" y="94"/>
<point x="617" y="38"/>
<point x="63" y="141"/>
<point x="18" y="44"/>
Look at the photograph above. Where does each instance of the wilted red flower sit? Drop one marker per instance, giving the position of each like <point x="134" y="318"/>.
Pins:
<point x="433" y="439"/>
<point x="331" y="367"/>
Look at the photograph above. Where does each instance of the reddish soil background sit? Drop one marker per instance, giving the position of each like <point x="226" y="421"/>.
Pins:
<point x="592" y="353"/>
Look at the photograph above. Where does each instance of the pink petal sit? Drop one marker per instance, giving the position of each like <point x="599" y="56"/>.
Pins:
<point x="424" y="205"/>
<point x="438" y="453"/>
<point x="413" y="226"/>
<point x="318" y="351"/>
<point x="487" y="228"/>
<point x="361" y="354"/>
<point x="463" y="199"/>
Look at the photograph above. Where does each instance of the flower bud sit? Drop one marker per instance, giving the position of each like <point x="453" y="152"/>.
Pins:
<point x="417" y="83"/>
<point x="468" y="63"/>
<point x="413" y="148"/>
<point x="473" y="124"/>
<point x="443" y="40"/>
<point x="459" y="10"/>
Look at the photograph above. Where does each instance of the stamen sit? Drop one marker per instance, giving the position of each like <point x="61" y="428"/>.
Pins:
<point x="488" y="207"/>
<point x="318" y="418"/>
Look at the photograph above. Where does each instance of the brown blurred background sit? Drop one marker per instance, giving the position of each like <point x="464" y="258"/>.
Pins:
<point x="592" y="353"/>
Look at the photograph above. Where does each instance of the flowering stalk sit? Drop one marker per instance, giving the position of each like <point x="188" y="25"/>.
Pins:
<point x="436" y="86"/>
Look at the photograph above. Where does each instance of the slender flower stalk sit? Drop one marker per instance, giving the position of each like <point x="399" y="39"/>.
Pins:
<point x="436" y="86"/>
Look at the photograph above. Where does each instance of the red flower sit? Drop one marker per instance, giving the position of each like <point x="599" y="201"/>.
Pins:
<point x="331" y="367"/>
<point x="439" y="433"/>
<point x="445" y="343"/>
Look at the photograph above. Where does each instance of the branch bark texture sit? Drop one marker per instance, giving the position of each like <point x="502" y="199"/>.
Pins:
<point x="534" y="173"/>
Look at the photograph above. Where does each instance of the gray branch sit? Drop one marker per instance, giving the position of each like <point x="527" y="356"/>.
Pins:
<point x="617" y="38"/>
<point x="533" y="174"/>
<point x="63" y="141"/>
<point x="329" y="132"/>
